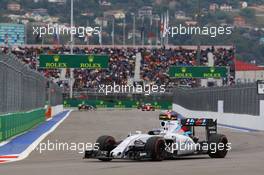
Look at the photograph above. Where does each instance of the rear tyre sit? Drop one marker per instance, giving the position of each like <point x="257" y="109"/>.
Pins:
<point x="106" y="143"/>
<point x="155" y="147"/>
<point x="217" y="146"/>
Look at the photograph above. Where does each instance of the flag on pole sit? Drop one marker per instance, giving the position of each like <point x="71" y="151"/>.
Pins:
<point x="37" y="37"/>
<point x="17" y="37"/>
<point x="161" y="28"/>
<point x="167" y="26"/>
<point x="161" y="25"/>
<point x="86" y="38"/>
<point x="142" y="30"/>
<point x="151" y="35"/>
<point x="56" y="38"/>
<point x="164" y="25"/>
<point x="6" y="39"/>
<point x="100" y="37"/>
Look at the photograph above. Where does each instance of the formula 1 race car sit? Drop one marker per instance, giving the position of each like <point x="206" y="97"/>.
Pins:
<point x="85" y="107"/>
<point x="168" y="142"/>
<point x="147" y="107"/>
<point x="172" y="115"/>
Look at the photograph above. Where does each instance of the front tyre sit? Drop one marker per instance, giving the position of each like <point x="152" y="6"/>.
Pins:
<point x="106" y="143"/>
<point x="217" y="146"/>
<point x="155" y="147"/>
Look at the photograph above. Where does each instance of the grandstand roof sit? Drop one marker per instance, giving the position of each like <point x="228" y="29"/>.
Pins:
<point x="244" y="66"/>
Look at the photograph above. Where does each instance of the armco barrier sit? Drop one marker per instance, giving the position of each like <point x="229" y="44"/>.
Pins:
<point x="16" y="123"/>
<point x="116" y="103"/>
<point x="237" y="99"/>
<point x="227" y="119"/>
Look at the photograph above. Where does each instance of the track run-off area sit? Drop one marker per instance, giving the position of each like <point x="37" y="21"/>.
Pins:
<point x="246" y="156"/>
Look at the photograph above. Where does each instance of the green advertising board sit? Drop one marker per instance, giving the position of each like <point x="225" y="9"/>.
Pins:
<point x="74" y="61"/>
<point x="12" y="124"/>
<point x="197" y="72"/>
<point x="116" y="103"/>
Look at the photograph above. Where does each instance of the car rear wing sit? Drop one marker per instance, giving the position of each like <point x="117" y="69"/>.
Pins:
<point x="209" y="124"/>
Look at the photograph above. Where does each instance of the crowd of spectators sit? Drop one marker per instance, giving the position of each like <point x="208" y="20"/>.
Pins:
<point x="121" y="68"/>
<point x="154" y="64"/>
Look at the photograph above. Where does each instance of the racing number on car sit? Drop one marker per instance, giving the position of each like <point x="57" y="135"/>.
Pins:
<point x="190" y="122"/>
<point x="200" y="122"/>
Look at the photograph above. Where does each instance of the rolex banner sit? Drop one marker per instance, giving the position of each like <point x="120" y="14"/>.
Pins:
<point x="74" y="61"/>
<point x="197" y="72"/>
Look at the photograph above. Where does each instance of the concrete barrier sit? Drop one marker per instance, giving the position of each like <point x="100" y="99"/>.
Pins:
<point x="233" y="120"/>
<point x="56" y="110"/>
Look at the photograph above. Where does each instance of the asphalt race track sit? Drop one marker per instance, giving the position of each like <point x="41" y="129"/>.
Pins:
<point x="246" y="156"/>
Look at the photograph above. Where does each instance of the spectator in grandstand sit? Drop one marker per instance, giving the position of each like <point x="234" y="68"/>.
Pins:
<point x="154" y="64"/>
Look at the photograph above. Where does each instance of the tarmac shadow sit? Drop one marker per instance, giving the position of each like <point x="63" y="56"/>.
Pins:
<point x="145" y="161"/>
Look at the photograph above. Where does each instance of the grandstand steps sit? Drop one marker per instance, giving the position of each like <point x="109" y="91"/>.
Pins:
<point x="63" y="74"/>
<point x="137" y="67"/>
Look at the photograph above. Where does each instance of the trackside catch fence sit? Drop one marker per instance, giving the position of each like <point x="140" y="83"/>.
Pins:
<point x="238" y="99"/>
<point x="21" y="88"/>
<point x="23" y="95"/>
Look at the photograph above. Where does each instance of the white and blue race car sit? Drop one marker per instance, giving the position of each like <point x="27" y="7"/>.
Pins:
<point x="175" y="138"/>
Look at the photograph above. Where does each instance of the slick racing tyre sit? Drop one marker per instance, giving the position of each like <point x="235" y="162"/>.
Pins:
<point x="155" y="147"/>
<point x="217" y="146"/>
<point x="106" y="143"/>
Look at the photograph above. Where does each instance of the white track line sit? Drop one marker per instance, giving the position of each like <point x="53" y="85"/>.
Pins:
<point x="29" y="149"/>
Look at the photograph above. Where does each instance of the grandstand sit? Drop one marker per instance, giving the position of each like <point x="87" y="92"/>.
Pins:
<point x="12" y="34"/>
<point x="154" y="64"/>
